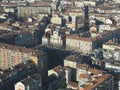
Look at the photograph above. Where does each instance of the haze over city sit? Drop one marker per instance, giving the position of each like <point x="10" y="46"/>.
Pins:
<point x="59" y="44"/>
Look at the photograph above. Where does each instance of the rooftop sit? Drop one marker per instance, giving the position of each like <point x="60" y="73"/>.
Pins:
<point x="93" y="77"/>
<point x="72" y="58"/>
<point x="31" y="79"/>
<point x="22" y="49"/>
<point x="38" y="4"/>
<point x="11" y="71"/>
<point x="91" y="39"/>
<point x="73" y="84"/>
<point x="112" y="42"/>
<point x="27" y="81"/>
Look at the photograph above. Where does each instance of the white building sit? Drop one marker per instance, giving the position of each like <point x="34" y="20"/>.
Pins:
<point x="44" y="40"/>
<point x="71" y="61"/>
<point x="56" y="39"/>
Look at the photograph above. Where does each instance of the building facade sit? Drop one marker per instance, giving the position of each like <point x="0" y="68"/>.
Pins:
<point x="81" y="44"/>
<point x="93" y="79"/>
<point x="35" y="10"/>
<point x="33" y="82"/>
<point x="12" y="55"/>
<point x="10" y="76"/>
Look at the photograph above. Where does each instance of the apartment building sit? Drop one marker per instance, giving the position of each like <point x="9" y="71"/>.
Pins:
<point x="109" y="8"/>
<point x="57" y="74"/>
<point x="33" y="82"/>
<point x="35" y="9"/>
<point x="93" y="79"/>
<point x="69" y="2"/>
<point x="81" y="44"/>
<point x="108" y="27"/>
<point x="66" y="69"/>
<point x="8" y="4"/>
<point x="56" y="19"/>
<point x="70" y="64"/>
<point x="73" y="17"/>
<point x="111" y="49"/>
<point x="71" y="61"/>
<point x="93" y="2"/>
<point x="27" y="38"/>
<point x="100" y="17"/>
<point x="111" y="45"/>
<point x="12" y="55"/>
<point x="81" y="70"/>
<point x="10" y="76"/>
<point x="78" y="3"/>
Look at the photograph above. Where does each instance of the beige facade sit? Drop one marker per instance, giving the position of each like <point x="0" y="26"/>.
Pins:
<point x="72" y="44"/>
<point x="12" y="55"/>
<point x="44" y="40"/>
<point x="70" y="63"/>
<point x="27" y="11"/>
<point x="78" y="3"/>
<point x="71" y="25"/>
<point x="81" y="69"/>
<point x="79" y="44"/>
<point x="66" y="2"/>
<point x="110" y="47"/>
<point x="50" y="72"/>
<point x="108" y="27"/>
<point x="56" y="20"/>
